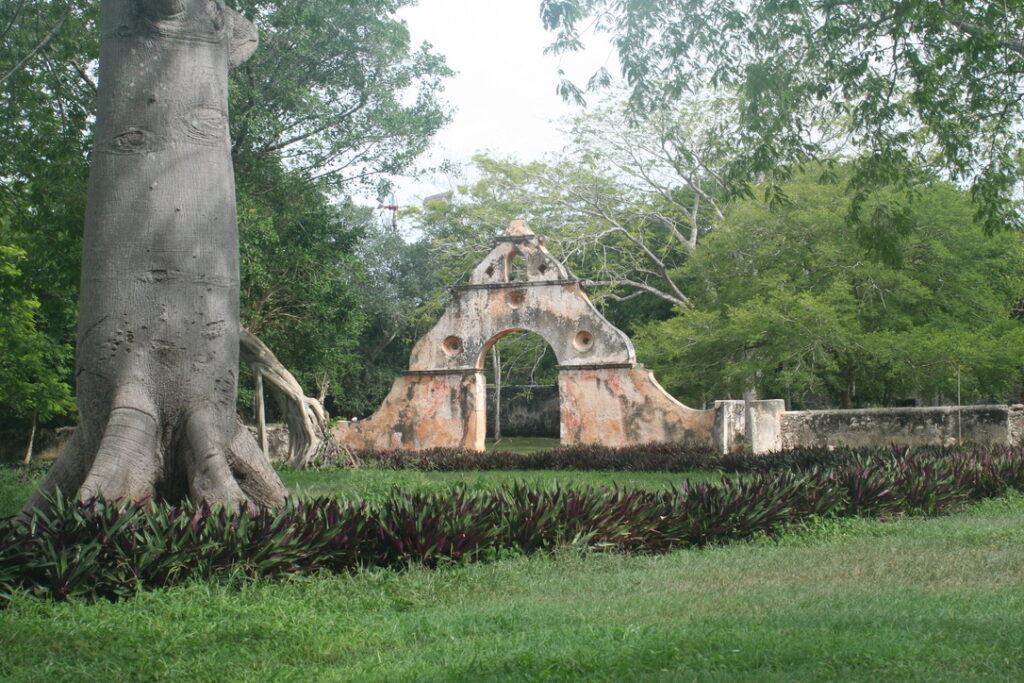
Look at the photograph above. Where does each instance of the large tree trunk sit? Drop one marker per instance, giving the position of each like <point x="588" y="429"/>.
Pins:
<point x="157" y="355"/>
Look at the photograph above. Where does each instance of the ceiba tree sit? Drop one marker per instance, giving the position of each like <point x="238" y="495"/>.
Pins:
<point x="158" y="335"/>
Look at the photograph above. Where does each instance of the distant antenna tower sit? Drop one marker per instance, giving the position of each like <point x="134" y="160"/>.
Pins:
<point x="393" y="208"/>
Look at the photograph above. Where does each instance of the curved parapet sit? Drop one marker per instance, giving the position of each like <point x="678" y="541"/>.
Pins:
<point x="624" y="406"/>
<point x="541" y="297"/>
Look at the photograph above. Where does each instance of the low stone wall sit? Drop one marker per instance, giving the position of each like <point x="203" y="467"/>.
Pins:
<point x="997" y="425"/>
<point x="765" y="426"/>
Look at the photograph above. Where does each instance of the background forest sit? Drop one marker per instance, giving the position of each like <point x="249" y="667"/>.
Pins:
<point x="857" y="260"/>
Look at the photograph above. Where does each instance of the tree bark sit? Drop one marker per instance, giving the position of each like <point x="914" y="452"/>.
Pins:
<point x="261" y="412"/>
<point x="157" y="352"/>
<point x="27" y="460"/>
<point x="305" y="416"/>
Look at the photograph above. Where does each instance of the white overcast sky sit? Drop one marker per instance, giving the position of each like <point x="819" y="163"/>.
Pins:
<point x="504" y="89"/>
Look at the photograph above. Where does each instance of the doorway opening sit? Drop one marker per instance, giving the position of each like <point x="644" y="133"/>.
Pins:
<point x="523" y="403"/>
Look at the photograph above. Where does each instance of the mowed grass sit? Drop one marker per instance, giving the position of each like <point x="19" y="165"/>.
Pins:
<point x="16" y="484"/>
<point x="919" y="599"/>
<point x="374" y="484"/>
<point x="369" y="483"/>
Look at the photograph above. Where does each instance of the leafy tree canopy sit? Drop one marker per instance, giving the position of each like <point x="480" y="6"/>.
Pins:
<point x="302" y="286"/>
<point x="335" y="99"/>
<point x="47" y="100"/>
<point x="896" y="84"/>
<point x="335" y="91"/>
<point x="32" y="366"/>
<point x="788" y="302"/>
<point x="407" y="290"/>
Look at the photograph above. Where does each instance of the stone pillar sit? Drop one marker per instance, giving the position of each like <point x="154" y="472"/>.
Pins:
<point x="730" y="430"/>
<point x="764" y="425"/>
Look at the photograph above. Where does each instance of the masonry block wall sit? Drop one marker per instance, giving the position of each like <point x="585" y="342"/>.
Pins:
<point x="763" y="426"/>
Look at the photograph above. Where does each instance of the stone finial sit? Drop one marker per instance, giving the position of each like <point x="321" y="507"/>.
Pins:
<point x="518" y="227"/>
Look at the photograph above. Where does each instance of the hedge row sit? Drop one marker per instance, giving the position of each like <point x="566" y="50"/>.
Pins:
<point x="95" y="549"/>
<point x="653" y="457"/>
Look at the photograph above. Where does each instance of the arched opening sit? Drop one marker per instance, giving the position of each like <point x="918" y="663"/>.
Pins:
<point x="516" y="269"/>
<point x="523" y="402"/>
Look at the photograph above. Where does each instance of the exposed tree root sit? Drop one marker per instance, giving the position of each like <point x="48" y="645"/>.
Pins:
<point x="308" y="435"/>
<point x="128" y="463"/>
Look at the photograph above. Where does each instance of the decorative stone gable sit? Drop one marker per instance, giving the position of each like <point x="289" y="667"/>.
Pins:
<point x="605" y="396"/>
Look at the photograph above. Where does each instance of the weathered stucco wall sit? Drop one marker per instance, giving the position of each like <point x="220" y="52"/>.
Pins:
<point x="997" y="425"/>
<point x="423" y="411"/>
<point x="622" y="406"/>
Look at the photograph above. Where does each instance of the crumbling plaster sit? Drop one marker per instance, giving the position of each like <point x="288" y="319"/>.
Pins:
<point x="605" y="396"/>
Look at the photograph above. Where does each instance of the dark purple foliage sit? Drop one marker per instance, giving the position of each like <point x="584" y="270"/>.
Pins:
<point x="96" y="549"/>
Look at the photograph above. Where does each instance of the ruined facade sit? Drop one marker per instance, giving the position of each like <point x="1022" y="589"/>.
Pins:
<point x="606" y="396"/>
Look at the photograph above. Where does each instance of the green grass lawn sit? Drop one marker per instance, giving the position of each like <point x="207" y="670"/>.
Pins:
<point x="374" y="484"/>
<point x="917" y="599"/>
<point x="923" y="599"/>
<point x="16" y="484"/>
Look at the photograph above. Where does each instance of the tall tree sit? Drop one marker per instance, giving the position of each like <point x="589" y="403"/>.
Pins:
<point x="639" y="197"/>
<point x="787" y="300"/>
<point x="335" y="99"/>
<point x="911" y="82"/>
<point x="32" y="371"/>
<point x="157" y="352"/>
<point x="336" y="92"/>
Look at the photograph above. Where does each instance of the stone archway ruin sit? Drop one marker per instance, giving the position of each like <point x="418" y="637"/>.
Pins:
<point x="606" y="397"/>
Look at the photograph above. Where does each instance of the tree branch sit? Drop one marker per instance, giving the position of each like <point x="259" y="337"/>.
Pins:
<point x="305" y="416"/>
<point x="85" y="77"/>
<point x="684" y="301"/>
<point x="40" y="46"/>
<point x="972" y="29"/>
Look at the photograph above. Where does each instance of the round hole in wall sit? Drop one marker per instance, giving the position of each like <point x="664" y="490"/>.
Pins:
<point x="516" y="299"/>
<point x="583" y="341"/>
<point x="451" y="346"/>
